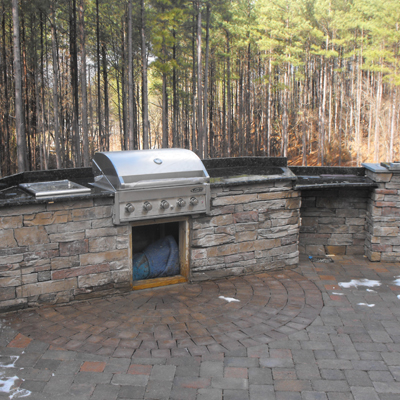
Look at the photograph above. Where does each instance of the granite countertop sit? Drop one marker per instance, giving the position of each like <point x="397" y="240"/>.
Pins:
<point x="223" y="172"/>
<point x="236" y="162"/>
<point x="331" y="177"/>
<point x="237" y="171"/>
<point x="13" y="195"/>
<point x="220" y="177"/>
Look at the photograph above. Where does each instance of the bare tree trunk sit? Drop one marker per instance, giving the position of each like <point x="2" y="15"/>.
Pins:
<point x="126" y="145"/>
<point x="25" y="84"/>
<point x="223" y="133"/>
<point x="185" y="115"/>
<point x="248" y="103"/>
<point x="205" y="111"/>
<point x="194" y="141"/>
<point x="269" y="108"/>
<point x="242" y="137"/>
<point x="74" y="84"/>
<point x="145" y="99"/>
<point x="45" y="124"/>
<point x="7" y="157"/>
<point x="19" y="108"/>
<point x="164" y="112"/>
<point x="369" y="91"/>
<point x="285" y="122"/>
<point x="377" y="112"/>
<point x="136" y="116"/>
<point x="200" y="135"/>
<point x="99" y="118"/>
<point x="330" y="108"/>
<point x="106" y="105"/>
<point x="130" y="80"/>
<point x="359" y="89"/>
<point x="323" y="107"/>
<point x="91" y="119"/>
<point x="175" y="112"/>
<point x="335" y="86"/>
<point x="341" y="117"/>
<point x="36" y="102"/>
<point x="392" y="123"/>
<point x="42" y="149"/>
<point x="59" y="155"/>
<point x="229" y="100"/>
<point x="304" y="120"/>
<point x="85" y="133"/>
<point x="264" y="114"/>
<point x="121" y="128"/>
<point x="211" y="141"/>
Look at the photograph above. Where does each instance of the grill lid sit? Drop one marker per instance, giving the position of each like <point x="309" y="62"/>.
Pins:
<point x="136" y="169"/>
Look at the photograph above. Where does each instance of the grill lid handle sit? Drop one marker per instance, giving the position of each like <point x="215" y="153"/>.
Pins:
<point x="164" y="182"/>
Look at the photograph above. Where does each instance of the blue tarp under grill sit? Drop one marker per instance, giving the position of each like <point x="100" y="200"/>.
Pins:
<point x="159" y="259"/>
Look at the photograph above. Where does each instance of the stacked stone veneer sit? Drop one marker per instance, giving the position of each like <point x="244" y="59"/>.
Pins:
<point x="251" y="228"/>
<point x="383" y="218"/>
<point x="60" y="252"/>
<point x="333" y="221"/>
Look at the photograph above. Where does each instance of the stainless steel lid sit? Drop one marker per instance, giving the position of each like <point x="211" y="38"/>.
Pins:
<point x="135" y="169"/>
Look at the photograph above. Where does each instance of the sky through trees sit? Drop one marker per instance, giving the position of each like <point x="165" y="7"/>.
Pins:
<point x="313" y="80"/>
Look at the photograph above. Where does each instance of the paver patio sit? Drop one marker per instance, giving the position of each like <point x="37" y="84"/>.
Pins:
<point x="294" y="334"/>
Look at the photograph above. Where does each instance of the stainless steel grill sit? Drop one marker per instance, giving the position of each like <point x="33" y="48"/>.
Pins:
<point x="153" y="183"/>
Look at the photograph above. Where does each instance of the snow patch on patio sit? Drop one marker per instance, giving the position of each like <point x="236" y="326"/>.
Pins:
<point x="397" y="281"/>
<point x="9" y="384"/>
<point x="359" y="282"/>
<point x="365" y="304"/>
<point x="228" y="299"/>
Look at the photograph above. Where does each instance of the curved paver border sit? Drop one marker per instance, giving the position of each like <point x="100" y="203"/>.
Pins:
<point x="181" y="319"/>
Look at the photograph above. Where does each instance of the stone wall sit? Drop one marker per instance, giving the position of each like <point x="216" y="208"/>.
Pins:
<point x="383" y="217"/>
<point x="251" y="228"/>
<point x="71" y="250"/>
<point x="333" y="221"/>
<point x="58" y="252"/>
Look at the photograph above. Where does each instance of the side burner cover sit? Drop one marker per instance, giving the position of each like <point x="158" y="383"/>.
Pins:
<point x="54" y="188"/>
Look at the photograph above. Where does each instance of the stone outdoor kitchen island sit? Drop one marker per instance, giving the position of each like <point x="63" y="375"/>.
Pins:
<point x="254" y="221"/>
<point x="67" y="248"/>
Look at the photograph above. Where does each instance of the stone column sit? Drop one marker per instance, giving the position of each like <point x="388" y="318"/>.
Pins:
<point x="382" y="242"/>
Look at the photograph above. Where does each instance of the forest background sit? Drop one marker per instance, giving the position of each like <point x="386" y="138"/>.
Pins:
<point x="312" y="80"/>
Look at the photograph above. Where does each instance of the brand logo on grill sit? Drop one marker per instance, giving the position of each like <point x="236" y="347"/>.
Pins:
<point x="197" y="190"/>
<point x="158" y="160"/>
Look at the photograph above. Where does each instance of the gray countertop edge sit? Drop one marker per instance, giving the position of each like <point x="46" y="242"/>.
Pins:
<point x="274" y="178"/>
<point x="54" y="199"/>
<point x="336" y="185"/>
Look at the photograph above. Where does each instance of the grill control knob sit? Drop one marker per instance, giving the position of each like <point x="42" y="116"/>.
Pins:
<point x="147" y="206"/>
<point x="194" y="201"/>
<point x="181" y="203"/>
<point x="164" y="204"/>
<point x="129" y="208"/>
